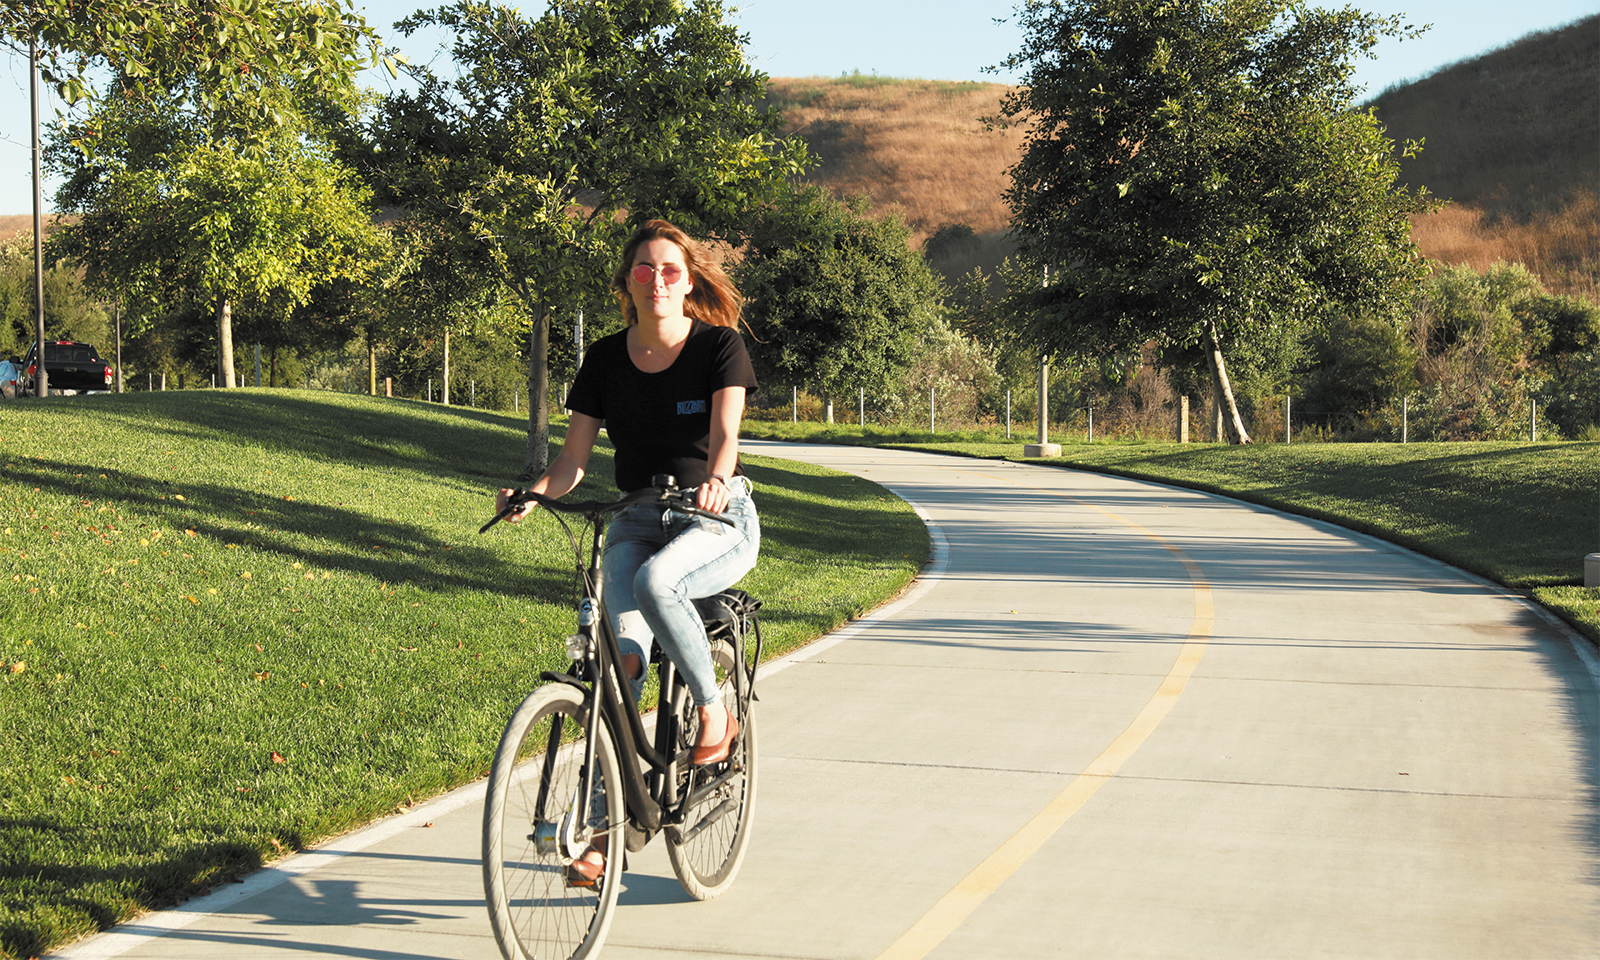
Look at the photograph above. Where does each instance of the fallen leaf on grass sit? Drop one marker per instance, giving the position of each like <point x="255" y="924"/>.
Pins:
<point x="18" y="667"/>
<point x="264" y="676"/>
<point x="277" y="758"/>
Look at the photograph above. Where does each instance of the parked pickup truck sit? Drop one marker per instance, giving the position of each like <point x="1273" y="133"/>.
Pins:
<point x="71" y="366"/>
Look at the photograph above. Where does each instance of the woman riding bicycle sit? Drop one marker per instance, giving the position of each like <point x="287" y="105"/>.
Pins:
<point x="670" y="391"/>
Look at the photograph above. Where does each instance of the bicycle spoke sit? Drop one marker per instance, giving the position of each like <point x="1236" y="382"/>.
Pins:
<point x="530" y="835"/>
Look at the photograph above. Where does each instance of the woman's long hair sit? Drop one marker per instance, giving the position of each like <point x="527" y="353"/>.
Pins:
<point x="714" y="298"/>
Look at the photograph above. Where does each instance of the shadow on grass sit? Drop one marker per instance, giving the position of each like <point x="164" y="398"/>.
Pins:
<point x="369" y="431"/>
<point x="152" y="885"/>
<point x="341" y="538"/>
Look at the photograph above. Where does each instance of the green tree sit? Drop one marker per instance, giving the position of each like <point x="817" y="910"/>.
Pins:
<point x="169" y="214"/>
<point x="71" y="311"/>
<point x="1361" y="364"/>
<point x="219" y="51"/>
<point x="555" y="131"/>
<point x="1195" y="175"/>
<point x="241" y="63"/>
<point x="837" y="300"/>
<point x="1489" y="342"/>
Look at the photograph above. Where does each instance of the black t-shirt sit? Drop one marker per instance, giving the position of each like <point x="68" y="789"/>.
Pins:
<point x="661" y="422"/>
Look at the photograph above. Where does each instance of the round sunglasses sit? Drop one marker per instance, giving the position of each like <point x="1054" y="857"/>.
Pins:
<point x="645" y="275"/>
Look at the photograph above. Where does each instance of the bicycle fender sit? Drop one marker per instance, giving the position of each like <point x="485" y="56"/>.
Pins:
<point x="550" y="676"/>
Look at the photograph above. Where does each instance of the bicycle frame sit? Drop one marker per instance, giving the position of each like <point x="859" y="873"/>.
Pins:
<point x="652" y="802"/>
<point x="544" y="893"/>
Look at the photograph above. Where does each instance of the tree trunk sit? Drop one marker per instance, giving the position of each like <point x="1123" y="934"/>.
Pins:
<point x="538" y="458"/>
<point x="445" y="387"/>
<point x="1219" y="431"/>
<point x="827" y="408"/>
<point x="225" y="342"/>
<point x="1224" y="390"/>
<point x="372" y="365"/>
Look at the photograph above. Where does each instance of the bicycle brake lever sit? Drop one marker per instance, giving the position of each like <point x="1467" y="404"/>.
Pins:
<point x="684" y="500"/>
<point x="516" y="500"/>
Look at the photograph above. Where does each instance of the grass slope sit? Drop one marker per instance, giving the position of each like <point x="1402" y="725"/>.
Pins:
<point x="233" y="623"/>
<point x="1524" y="515"/>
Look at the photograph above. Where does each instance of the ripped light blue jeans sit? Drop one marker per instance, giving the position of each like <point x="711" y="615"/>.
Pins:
<point x="656" y="562"/>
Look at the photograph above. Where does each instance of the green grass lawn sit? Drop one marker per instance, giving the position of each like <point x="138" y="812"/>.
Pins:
<point x="233" y="623"/>
<point x="1521" y="514"/>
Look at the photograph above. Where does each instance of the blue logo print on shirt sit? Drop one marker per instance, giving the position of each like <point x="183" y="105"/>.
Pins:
<point x="686" y="407"/>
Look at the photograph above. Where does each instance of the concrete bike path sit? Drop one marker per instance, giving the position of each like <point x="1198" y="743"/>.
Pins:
<point x="1114" y="719"/>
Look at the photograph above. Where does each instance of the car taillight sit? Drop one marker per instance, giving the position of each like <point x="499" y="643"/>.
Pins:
<point x="32" y="369"/>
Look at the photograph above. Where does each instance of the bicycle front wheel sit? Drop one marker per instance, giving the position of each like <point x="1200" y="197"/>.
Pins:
<point x="707" y="848"/>
<point x="542" y="812"/>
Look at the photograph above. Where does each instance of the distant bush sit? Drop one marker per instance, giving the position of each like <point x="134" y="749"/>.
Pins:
<point x="70" y="313"/>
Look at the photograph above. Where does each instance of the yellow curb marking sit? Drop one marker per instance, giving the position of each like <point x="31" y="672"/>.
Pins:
<point x="954" y="907"/>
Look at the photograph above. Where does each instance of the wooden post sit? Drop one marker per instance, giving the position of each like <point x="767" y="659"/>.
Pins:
<point x="1183" y="419"/>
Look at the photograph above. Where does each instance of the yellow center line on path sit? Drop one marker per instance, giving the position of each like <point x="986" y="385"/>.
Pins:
<point x="954" y="907"/>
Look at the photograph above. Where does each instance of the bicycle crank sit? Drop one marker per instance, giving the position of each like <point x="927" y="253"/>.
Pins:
<point x="721" y="810"/>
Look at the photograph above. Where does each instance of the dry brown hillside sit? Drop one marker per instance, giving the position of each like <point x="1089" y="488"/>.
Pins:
<point x="1512" y="139"/>
<point x="915" y="146"/>
<point x="1514" y="132"/>
<point x="1512" y="136"/>
<point x="15" y="225"/>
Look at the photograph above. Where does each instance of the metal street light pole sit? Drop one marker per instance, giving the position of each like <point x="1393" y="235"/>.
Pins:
<point x="1043" y="447"/>
<point x="41" y="379"/>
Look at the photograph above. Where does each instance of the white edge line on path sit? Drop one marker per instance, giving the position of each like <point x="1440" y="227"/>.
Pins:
<point x="1581" y="645"/>
<point x="126" y="936"/>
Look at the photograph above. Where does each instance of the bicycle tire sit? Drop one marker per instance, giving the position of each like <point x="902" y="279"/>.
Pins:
<point x="707" y="848"/>
<point x="534" y="913"/>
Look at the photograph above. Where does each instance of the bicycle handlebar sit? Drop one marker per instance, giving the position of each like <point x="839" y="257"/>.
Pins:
<point x="664" y="491"/>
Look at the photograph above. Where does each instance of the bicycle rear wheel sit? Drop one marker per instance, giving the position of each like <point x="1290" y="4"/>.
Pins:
<point x="535" y="824"/>
<point x="707" y="848"/>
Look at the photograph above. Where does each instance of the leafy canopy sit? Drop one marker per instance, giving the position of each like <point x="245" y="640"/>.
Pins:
<point x="839" y="301"/>
<point x="1195" y="171"/>
<point x="221" y="53"/>
<point x="169" y="216"/>
<point x="553" y="134"/>
<point x="551" y="129"/>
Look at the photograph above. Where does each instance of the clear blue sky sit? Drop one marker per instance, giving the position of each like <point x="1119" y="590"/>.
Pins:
<point x="928" y="39"/>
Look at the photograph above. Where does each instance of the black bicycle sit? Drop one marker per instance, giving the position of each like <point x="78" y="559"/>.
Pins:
<point x="578" y="770"/>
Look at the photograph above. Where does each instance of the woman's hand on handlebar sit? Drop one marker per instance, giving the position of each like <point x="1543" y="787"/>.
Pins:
<point x="713" y="495"/>
<point x="504" y="497"/>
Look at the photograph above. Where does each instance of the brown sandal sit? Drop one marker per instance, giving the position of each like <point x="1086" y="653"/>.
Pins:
<point x="586" y="873"/>
<point x="718" y="752"/>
